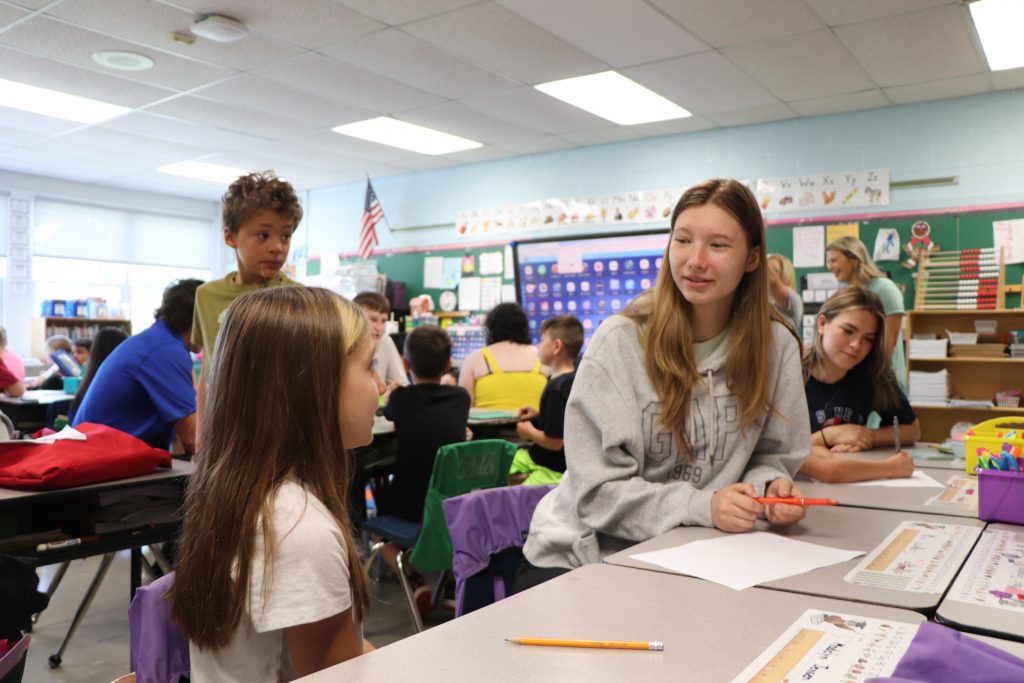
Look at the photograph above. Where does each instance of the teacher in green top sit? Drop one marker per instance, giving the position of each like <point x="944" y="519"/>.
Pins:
<point x="848" y="259"/>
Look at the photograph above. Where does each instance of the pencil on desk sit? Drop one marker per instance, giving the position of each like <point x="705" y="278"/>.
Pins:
<point x="896" y="432"/>
<point x="604" y="644"/>
<point x="797" y="501"/>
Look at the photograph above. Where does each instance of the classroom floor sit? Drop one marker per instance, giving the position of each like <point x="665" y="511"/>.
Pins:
<point x="99" y="649"/>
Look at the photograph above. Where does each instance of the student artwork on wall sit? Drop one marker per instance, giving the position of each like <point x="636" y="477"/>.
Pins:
<point x="887" y="245"/>
<point x="1010" y="236"/>
<point x="837" y="230"/>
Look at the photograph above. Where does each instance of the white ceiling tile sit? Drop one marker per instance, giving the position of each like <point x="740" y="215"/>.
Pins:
<point x="66" y="43"/>
<point x="310" y="24"/>
<point x="623" y="33"/>
<point x="534" y="109"/>
<point x="220" y="115"/>
<point x="939" y="90"/>
<point x="702" y="83"/>
<point x="18" y="136"/>
<point x="353" y="150"/>
<point x="538" y="145"/>
<point x="154" y="181"/>
<point x="257" y="93"/>
<point x="410" y="60"/>
<point x="469" y="156"/>
<point x="45" y="73"/>
<point x="30" y="4"/>
<point x="721" y="23"/>
<point x="924" y="46"/>
<point x="151" y="23"/>
<point x="60" y="164"/>
<point x="35" y="124"/>
<point x="746" y="117"/>
<point x="1008" y="79"/>
<point x="814" y="64"/>
<point x="459" y="119"/>
<point x="99" y="141"/>
<point x="176" y="130"/>
<point x="869" y="99"/>
<point x="839" y="12"/>
<point x="395" y="12"/>
<point x="494" y="38"/>
<point x="9" y="15"/>
<point x="691" y="124"/>
<point x="601" y="136"/>
<point x="339" y="82"/>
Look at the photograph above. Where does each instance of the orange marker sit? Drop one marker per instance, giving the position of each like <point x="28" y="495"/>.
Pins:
<point x="605" y="644"/>
<point x="797" y="501"/>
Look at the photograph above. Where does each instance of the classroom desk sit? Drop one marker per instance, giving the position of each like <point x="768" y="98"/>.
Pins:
<point x="30" y="409"/>
<point x="966" y="616"/>
<point x="906" y="499"/>
<point x="836" y="527"/>
<point x="707" y="629"/>
<point x="917" y="451"/>
<point x="382" y="426"/>
<point x="30" y="504"/>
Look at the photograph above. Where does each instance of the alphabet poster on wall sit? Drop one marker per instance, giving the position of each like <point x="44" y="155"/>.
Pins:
<point x="825" y="191"/>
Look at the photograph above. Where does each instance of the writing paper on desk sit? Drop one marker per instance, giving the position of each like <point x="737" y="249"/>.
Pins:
<point x="994" y="574"/>
<point x="918" y="557"/>
<point x="828" y="646"/>
<point x="740" y="561"/>
<point x="917" y="480"/>
<point x="961" y="493"/>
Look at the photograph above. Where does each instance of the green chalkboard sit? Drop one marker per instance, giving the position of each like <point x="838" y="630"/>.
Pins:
<point x="951" y="231"/>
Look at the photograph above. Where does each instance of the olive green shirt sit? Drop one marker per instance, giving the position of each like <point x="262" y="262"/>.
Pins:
<point x="212" y="301"/>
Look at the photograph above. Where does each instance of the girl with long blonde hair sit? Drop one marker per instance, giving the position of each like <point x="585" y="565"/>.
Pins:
<point x="269" y="585"/>
<point x="686" y="407"/>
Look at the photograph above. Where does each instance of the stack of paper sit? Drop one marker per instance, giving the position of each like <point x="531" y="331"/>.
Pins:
<point x="929" y="388"/>
<point x="927" y="348"/>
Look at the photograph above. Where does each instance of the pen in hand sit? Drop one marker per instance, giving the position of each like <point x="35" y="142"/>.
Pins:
<point x="797" y="501"/>
<point x="896" y="432"/>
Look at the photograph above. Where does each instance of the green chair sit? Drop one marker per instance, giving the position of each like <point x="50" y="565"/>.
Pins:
<point x="458" y="468"/>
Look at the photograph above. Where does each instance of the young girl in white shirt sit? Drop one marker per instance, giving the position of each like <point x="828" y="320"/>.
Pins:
<point x="269" y="586"/>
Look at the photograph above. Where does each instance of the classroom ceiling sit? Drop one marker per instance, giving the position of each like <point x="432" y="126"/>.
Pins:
<point x="462" y="66"/>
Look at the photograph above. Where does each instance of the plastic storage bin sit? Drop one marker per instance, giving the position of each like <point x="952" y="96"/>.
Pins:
<point x="986" y="436"/>
<point x="1001" y="496"/>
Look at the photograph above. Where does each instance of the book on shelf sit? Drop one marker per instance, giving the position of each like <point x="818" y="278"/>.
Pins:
<point x="978" y="351"/>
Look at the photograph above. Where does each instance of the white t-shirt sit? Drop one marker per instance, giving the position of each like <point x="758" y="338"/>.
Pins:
<point x="309" y="582"/>
<point x="387" y="361"/>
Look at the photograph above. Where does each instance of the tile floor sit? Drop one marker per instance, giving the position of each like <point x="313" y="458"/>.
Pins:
<point x="99" y="649"/>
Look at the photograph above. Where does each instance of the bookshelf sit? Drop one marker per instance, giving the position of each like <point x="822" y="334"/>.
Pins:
<point x="47" y="326"/>
<point x="969" y="377"/>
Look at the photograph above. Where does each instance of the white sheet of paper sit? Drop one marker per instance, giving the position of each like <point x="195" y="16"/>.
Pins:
<point x="433" y="272"/>
<point x="743" y="560"/>
<point x="491" y="263"/>
<point x="1010" y="236"/>
<point x="809" y="246"/>
<point x="469" y="294"/>
<point x="508" y="294"/>
<point x="510" y="266"/>
<point x="490" y="292"/>
<point x="66" y="434"/>
<point x="917" y="480"/>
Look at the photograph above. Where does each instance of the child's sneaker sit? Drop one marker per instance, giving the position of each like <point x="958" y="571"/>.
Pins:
<point x="421" y="594"/>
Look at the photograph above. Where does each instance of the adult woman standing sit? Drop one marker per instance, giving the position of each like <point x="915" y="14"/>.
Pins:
<point x="506" y="374"/>
<point x="782" y="288"/>
<point x="848" y="259"/>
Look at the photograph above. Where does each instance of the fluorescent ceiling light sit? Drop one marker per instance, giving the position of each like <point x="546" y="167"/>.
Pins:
<point x="203" y="171"/>
<point x="612" y="96"/>
<point x="389" y="131"/>
<point x="999" y="25"/>
<point x="56" y="104"/>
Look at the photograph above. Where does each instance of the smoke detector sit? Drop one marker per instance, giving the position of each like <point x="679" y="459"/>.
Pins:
<point x="219" y="29"/>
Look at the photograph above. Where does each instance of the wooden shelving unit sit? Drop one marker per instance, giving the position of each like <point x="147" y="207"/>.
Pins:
<point x="72" y="327"/>
<point x="969" y="378"/>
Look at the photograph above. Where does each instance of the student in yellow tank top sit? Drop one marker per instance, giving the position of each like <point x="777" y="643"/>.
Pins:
<point x="506" y="374"/>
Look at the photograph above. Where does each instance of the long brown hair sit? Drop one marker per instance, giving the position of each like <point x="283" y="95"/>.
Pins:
<point x="272" y="412"/>
<point x="877" y="364"/>
<point x="664" y="317"/>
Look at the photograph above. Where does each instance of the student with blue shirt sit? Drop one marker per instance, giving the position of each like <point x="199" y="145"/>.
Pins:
<point x="145" y="386"/>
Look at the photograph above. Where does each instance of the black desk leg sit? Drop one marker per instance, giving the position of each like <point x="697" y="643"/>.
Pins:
<point x="136" y="571"/>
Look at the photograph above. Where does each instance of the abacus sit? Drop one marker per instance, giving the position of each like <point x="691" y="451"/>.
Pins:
<point x="968" y="280"/>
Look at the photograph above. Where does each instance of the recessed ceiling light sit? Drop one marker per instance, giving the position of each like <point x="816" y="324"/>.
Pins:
<point x="56" y="104"/>
<point x="122" y="61"/>
<point x="200" y="170"/>
<point x="389" y="131"/>
<point x="219" y="29"/>
<point x="612" y="96"/>
<point x="998" y="23"/>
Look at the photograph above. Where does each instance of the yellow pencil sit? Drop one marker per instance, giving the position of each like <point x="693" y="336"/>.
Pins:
<point x="607" y="644"/>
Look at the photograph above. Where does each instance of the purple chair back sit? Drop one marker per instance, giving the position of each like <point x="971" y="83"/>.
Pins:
<point x="159" y="648"/>
<point x="484" y="523"/>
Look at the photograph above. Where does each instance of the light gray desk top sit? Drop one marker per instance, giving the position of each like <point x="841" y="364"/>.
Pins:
<point x="37" y="397"/>
<point x="969" y="616"/>
<point x="707" y="630"/>
<point x="907" y="499"/>
<point x="919" y="451"/>
<point x="382" y="425"/>
<point x="179" y="468"/>
<point x="836" y="527"/>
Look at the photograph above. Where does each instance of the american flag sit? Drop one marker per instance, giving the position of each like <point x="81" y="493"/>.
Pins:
<point x="372" y="215"/>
